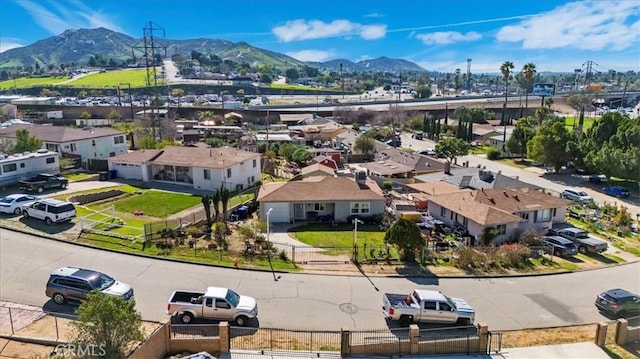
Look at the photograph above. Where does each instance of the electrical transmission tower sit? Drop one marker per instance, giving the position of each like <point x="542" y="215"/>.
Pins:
<point x="153" y="52"/>
<point x="588" y="72"/>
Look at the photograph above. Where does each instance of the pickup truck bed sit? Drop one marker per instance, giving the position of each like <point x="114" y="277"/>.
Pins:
<point x="185" y="297"/>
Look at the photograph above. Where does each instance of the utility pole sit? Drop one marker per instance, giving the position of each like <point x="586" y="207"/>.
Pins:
<point x="468" y="84"/>
<point x="342" y="80"/>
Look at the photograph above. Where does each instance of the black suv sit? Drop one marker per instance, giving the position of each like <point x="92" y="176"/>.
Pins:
<point x="73" y="284"/>
<point x="618" y="302"/>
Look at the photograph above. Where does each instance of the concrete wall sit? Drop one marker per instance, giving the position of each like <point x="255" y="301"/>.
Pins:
<point x="154" y="346"/>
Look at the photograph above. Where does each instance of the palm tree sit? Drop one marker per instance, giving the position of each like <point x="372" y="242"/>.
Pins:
<point x="528" y="71"/>
<point x="225" y="196"/>
<point x="215" y="200"/>
<point x="505" y="69"/>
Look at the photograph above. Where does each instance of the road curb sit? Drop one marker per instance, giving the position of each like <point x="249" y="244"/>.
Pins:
<point x="493" y="276"/>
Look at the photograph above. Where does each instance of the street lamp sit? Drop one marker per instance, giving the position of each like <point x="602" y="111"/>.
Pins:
<point x="355" y="239"/>
<point x="269" y="246"/>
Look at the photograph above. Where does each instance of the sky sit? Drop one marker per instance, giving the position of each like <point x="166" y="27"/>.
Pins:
<point x="439" y="35"/>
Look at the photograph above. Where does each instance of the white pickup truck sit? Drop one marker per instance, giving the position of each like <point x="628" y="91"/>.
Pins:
<point x="216" y="303"/>
<point x="427" y="306"/>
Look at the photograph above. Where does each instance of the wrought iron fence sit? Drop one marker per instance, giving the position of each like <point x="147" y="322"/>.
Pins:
<point x="449" y="340"/>
<point x="380" y="341"/>
<point x="18" y="321"/>
<point x="272" y="339"/>
<point x="494" y="344"/>
<point x="194" y="331"/>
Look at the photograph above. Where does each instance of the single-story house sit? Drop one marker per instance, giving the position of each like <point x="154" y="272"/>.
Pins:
<point x="310" y="198"/>
<point x="421" y="192"/>
<point x="88" y="144"/>
<point x="197" y="167"/>
<point x="511" y="211"/>
<point x="393" y="163"/>
<point x="474" y="178"/>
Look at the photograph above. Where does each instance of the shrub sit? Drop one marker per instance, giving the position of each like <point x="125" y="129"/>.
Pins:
<point x="493" y="154"/>
<point x="513" y="255"/>
<point x="387" y="185"/>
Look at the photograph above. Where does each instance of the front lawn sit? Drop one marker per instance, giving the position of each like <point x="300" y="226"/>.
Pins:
<point x="341" y="236"/>
<point x="159" y="204"/>
<point x="75" y="177"/>
<point x="519" y="163"/>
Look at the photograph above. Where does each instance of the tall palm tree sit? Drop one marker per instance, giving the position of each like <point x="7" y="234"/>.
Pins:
<point x="528" y="71"/>
<point x="505" y="69"/>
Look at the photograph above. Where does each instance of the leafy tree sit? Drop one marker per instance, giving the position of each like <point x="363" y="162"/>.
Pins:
<point x="25" y="142"/>
<point x="528" y="71"/>
<point x="85" y="115"/>
<point x="225" y="196"/>
<point x="406" y="236"/>
<point x="550" y="145"/>
<point x="292" y="74"/>
<point x="423" y="91"/>
<point x="451" y="148"/>
<point x="266" y="78"/>
<point x="286" y="150"/>
<point x="301" y="155"/>
<point x="146" y="142"/>
<point x="523" y="132"/>
<point x="114" y="115"/>
<point x="109" y="321"/>
<point x="215" y="200"/>
<point x="416" y="123"/>
<point x="365" y="144"/>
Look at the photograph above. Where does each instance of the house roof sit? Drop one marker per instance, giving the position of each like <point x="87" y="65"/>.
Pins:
<point x="189" y="156"/>
<point x="482" y="130"/>
<point x="59" y="134"/>
<point x="294" y="117"/>
<point x="320" y="188"/>
<point x="463" y="203"/>
<point x="434" y="188"/>
<point x="137" y="157"/>
<point x="391" y="161"/>
<point x="472" y="177"/>
<point x="316" y="167"/>
<point x="497" y="206"/>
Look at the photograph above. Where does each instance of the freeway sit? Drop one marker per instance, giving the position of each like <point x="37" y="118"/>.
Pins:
<point x="318" y="302"/>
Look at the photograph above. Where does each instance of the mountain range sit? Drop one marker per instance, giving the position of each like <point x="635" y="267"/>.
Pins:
<point x="77" y="46"/>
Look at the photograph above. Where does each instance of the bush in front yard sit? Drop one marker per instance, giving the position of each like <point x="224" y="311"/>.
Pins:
<point x="493" y="154"/>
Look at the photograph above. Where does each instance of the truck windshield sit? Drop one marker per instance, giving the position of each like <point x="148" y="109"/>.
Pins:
<point x="233" y="298"/>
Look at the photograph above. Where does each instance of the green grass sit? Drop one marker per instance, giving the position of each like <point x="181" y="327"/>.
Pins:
<point x="481" y="150"/>
<point x="31" y="82"/>
<point x="75" y="177"/>
<point x="291" y="87"/>
<point x="515" y="162"/>
<point x="323" y="235"/>
<point x="135" y="77"/>
<point x="588" y="122"/>
<point x="157" y="204"/>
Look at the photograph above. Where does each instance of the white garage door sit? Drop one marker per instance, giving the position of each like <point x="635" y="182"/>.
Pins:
<point x="279" y="214"/>
<point x="128" y="171"/>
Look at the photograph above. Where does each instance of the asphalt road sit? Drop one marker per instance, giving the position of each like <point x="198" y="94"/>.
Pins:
<point x="310" y="301"/>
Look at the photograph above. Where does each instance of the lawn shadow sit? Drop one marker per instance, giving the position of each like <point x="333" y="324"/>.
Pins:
<point x="599" y="257"/>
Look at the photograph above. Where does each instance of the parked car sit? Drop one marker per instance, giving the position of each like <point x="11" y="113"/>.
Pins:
<point x="417" y="136"/>
<point x="14" y="203"/>
<point x="428" y="152"/>
<point x="559" y="246"/>
<point x="577" y="195"/>
<point x="50" y="211"/>
<point x="617" y="191"/>
<point x="216" y="303"/>
<point x="73" y="284"/>
<point x="618" y="302"/>
<point x="427" y="306"/>
<point x="584" y="242"/>
<point x="42" y="182"/>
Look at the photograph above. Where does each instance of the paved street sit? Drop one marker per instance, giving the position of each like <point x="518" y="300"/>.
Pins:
<point x="311" y="301"/>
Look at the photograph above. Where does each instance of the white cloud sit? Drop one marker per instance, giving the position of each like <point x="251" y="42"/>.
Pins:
<point x="374" y="14"/>
<point x="364" y="57"/>
<point x="311" y="55"/>
<point x="585" y="25"/>
<point x="56" y="18"/>
<point x="4" y="46"/>
<point x="296" y="30"/>
<point x="447" y="37"/>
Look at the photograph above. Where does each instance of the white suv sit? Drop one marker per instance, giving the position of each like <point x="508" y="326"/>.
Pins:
<point x="577" y="195"/>
<point x="50" y="210"/>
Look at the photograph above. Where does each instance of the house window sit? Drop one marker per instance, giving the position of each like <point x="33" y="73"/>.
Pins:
<point x="554" y="212"/>
<point x="118" y="140"/>
<point x="73" y="147"/>
<point x="543" y="215"/>
<point x="52" y="147"/>
<point x="22" y="164"/>
<point x="248" y="180"/>
<point x="111" y="154"/>
<point x="11" y="167"/>
<point x="255" y="163"/>
<point x="364" y="207"/>
<point x="49" y="160"/>
<point x="451" y="215"/>
<point x="502" y="229"/>
<point x="355" y="207"/>
<point x="524" y="215"/>
<point x="465" y="222"/>
<point x="228" y="172"/>
<point x="93" y="142"/>
<point x="253" y="179"/>
<point x="319" y="206"/>
<point x="443" y="211"/>
<point x="207" y="174"/>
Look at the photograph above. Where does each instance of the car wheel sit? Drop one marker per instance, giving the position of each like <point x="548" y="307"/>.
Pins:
<point x="25" y="214"/>
<point x="17" y="210"/>
<point x="59" y="299"/>
<point x="242" y="320"/>
<point x="48" y="221"/>
<point x="582" y="250"/>
<point x="40" y="189"/>
<point x="405" y="320"/>
<point x="622" y="314"/>
<point x="63" y="185"/>
<point x="186" y="318"/>
<point x="463" y="321"/>
<point x="557" y="253"/>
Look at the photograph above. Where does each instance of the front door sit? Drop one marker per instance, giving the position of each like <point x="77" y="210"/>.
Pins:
<point x="298" y="211"/>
